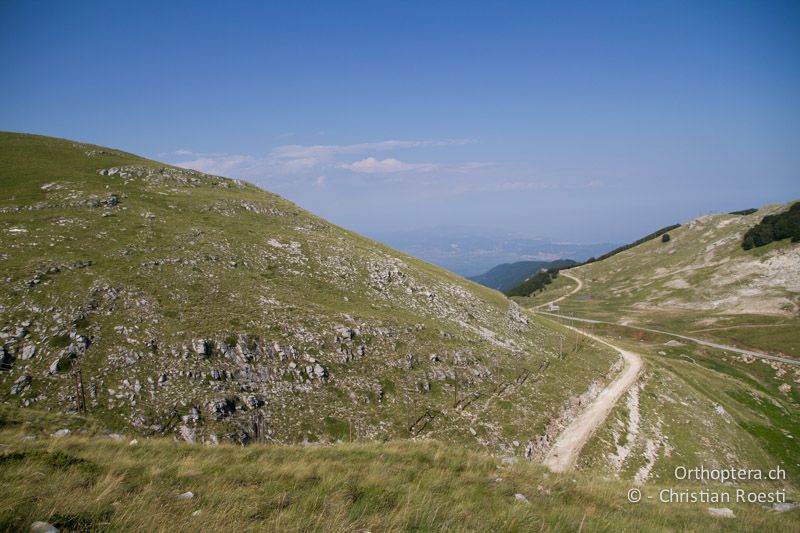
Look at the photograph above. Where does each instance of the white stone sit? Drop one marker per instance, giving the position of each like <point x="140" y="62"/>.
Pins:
<point x="721" y="512"/>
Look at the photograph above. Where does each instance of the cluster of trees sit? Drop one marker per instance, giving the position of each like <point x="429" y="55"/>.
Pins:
<point x="743" y="212"/>
<point x="646" y="238"/>
<point x="534" y="283"/>
<point x="774" y="228"/>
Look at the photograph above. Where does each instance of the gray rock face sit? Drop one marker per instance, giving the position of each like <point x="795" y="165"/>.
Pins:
<point x="220" y="409"/>
<point x="252" y="402"/>
<point x="344" y="333"/>
<point x="28" y="352"/>
<point x="21" y="384"/>
<point x="54" y="366"/>
<point x="202" y="347"/>
<point x="516" y="314"/>
<point x="193" y="416"/>
<point x="188" y="434"/>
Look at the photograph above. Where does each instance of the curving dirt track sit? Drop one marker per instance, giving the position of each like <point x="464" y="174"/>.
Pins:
<point x="565" y="450"/>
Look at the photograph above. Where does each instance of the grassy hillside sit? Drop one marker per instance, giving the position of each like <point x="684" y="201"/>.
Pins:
<point x="85" y="483"/>
<point x="695" y="404"/>
<point x="702" y="283"/>
<point x="508" y="275"/>
<point x="207" y="308"/>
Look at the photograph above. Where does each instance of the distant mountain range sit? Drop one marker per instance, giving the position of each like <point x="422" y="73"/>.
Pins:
<point x="507" y="276"/>
<point x="472" y="251"/>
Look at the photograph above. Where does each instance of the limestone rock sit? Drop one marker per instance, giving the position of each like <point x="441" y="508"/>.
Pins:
<point x="202" y="347"/>
<point x="21" y="384"/>
<point x="28" y="352"/>
<point x="721" y="512"/>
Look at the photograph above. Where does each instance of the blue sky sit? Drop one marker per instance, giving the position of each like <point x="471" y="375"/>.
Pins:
<point x="579" y="121"/>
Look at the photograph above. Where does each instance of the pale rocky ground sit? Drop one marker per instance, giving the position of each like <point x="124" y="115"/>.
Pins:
<point x="703" y="268"/>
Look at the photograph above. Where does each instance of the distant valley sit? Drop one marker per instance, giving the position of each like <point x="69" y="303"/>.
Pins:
<point x="507" y="276"/>
<point x="472" y="251"/>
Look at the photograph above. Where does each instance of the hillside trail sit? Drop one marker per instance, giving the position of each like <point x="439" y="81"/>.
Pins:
<point x="569" y="443"/>
<point x="578" y="287"/>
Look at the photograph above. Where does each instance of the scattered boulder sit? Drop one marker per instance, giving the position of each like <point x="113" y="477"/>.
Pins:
<point x="54" y="366"/>
<point x="521" y="498"/>
<point x="220" y="409"/>
<point x="783" y="507"/>
<point x="202" y="347"/>
<point x="61" y="433"/>
<point x="188" y="434"/>
<point x="721" y="512"/>
<point x="344" y="333"/>
<point x="193" y="416"/>
<point x="21" y="384"/>
<point x="252" y="402"/>
<point x="185" y="496"/>
<point x="320" y="371"/>
<point x="785" y="388"/>
<point x="28" y="352"/>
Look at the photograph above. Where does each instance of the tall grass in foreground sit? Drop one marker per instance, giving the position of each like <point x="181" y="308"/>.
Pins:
<point x="94" y="484"/>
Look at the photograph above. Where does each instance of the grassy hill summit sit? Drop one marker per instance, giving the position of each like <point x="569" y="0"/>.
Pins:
<point x="164" y="301"/>
<point x="689" y="299"/>
<point x="703" y="280"/>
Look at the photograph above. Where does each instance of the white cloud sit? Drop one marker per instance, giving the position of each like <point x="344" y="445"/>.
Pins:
<point x="309" y="160"/>
<point x="233" y="165"/>
<point x="371" y="165"/>
<point x="327" y="151"/>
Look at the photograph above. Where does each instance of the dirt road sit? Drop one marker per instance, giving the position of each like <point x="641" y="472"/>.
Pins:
<point x="565" y="450"/>
<point x="569" y="443"/>
<point x="578" y="287"/>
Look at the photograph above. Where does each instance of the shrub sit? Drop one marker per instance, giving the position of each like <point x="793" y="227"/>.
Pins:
<point x="772" y="228"/>
<point x="665" y="237"/>
<point x="532" y="284"/>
